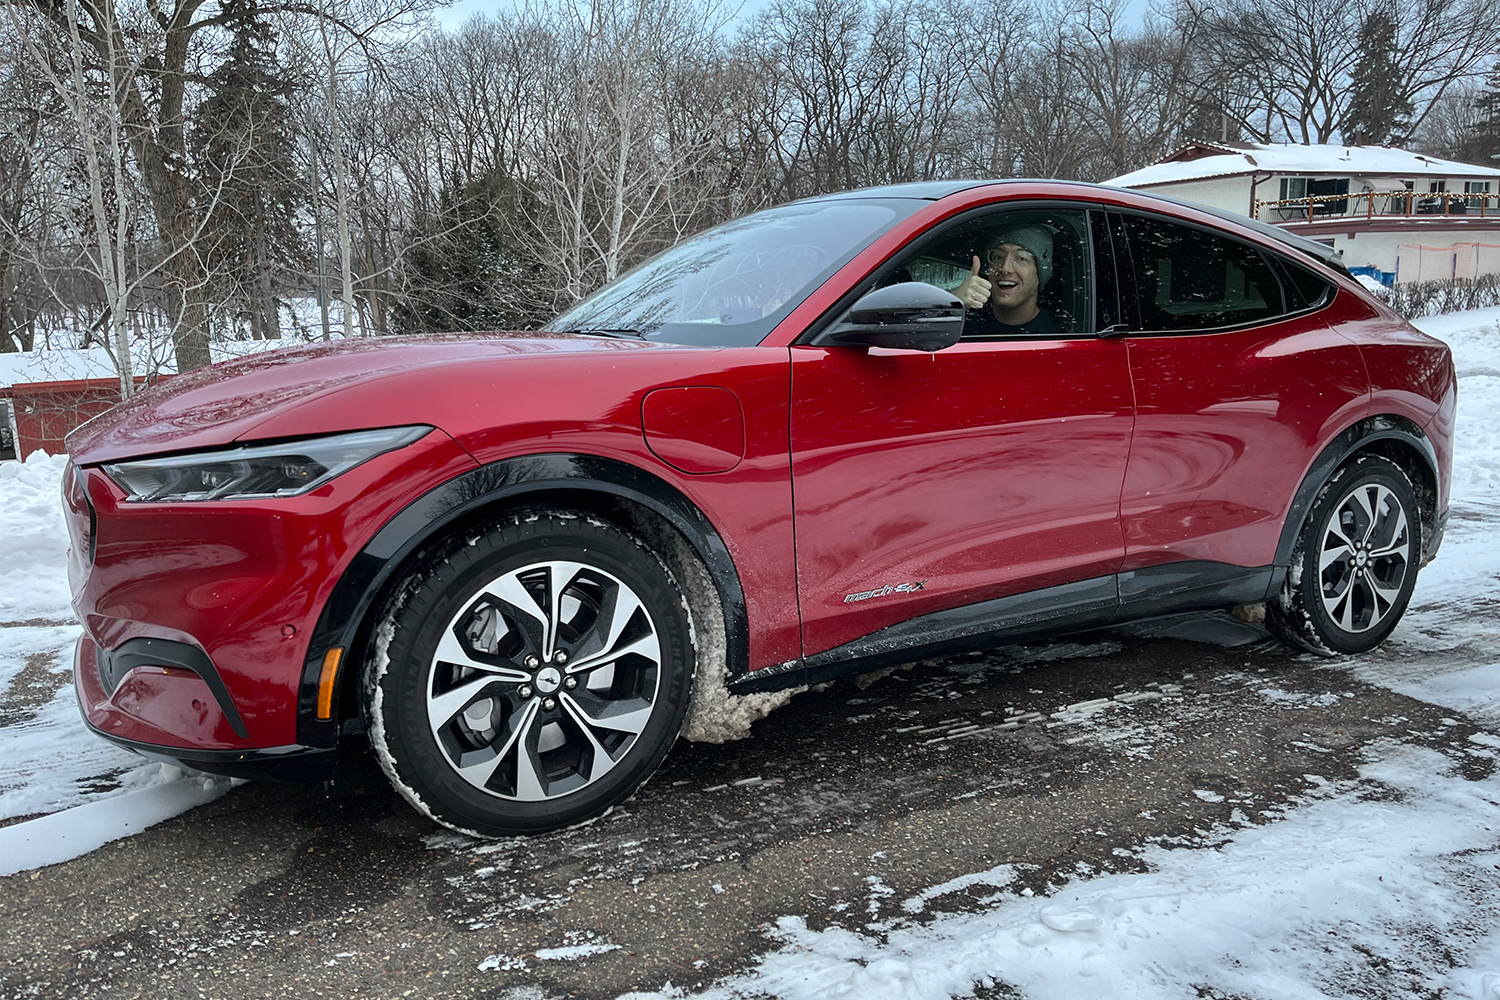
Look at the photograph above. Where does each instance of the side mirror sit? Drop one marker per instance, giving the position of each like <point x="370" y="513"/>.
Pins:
<point x="911" y="316"/>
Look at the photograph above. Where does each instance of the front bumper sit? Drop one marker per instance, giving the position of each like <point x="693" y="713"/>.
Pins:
<point x="172" y="702"/>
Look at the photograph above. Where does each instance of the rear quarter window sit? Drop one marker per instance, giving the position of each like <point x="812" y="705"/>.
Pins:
<point x="1190" y="279"/>
<point x="1304" y="290"/>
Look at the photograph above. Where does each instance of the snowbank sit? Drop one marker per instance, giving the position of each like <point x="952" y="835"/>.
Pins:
<point x="33" y="570"/>
<point x="1475" y="340"/>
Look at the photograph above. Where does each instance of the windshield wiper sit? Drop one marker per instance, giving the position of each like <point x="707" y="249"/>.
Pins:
<point x="595" y="331"/>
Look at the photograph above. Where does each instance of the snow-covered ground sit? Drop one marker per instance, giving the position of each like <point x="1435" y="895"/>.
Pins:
<point x="1294" y="907"/>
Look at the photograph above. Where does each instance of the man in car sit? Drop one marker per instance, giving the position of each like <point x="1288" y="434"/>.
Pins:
<point x="1018" y="263"/>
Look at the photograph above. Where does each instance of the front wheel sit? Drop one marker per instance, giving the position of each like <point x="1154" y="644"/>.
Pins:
<point x="1355" y="561"/>
<point x="530" y="675"/>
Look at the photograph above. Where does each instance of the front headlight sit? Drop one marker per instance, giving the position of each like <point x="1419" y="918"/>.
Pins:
<point x="256" y="472"/>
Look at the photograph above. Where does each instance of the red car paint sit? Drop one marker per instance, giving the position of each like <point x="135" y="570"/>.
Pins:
<point x="949" y="467"/>
<point x="852" y="489"/>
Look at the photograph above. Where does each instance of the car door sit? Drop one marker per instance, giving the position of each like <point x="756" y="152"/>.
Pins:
<point x="924" y="482"/>
<point x="1237" y="382"/>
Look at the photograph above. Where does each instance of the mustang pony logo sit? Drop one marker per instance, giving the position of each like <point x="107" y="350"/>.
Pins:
<point x="900" y="588"/>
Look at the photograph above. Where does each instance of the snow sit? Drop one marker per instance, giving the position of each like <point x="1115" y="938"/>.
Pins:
<point x="1475" y="340"/>
<point x="1362" y="872"/>
<point x="572" y="953"/>
<point x="1294" y="909"/>
<point x="65" y="364"/>
<point x="163" y="792"/>
<point x="33" y="574"/>
<point x="1293" y="158"/>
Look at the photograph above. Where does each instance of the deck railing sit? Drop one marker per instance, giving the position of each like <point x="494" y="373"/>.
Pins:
<point x="1376" y="204"/>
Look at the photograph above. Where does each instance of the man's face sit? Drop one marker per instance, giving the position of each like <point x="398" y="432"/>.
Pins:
<point x="1013" y="276"/>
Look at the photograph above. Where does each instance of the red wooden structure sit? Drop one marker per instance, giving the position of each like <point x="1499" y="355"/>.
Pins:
<point x="44" y="412"/>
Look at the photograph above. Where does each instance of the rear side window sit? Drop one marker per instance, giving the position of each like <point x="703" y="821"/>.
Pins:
<point x="1303" y="288"/>
<point x="1189" y="279"/>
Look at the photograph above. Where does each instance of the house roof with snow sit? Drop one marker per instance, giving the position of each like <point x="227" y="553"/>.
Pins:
<point x="54" y="366"/>
<point x="1204" y="160"/>
<point x="67" y="365"/>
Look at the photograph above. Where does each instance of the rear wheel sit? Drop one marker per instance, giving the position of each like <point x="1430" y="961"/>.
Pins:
<point x="533" y="675"/>
<point x="1355" y="562"/>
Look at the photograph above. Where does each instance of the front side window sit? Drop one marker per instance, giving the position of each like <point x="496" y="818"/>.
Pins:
<point x="1190" y="279"/>
<point x="730" y="286"/>
<point x="1020" y="272"/>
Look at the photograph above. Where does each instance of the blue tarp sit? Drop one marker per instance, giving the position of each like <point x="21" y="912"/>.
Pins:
<point x="1386" y="278"/>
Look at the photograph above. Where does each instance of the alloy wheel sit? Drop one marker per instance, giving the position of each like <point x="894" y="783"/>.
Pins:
<point x="543" y="681"/>
<point x="1362" y="562"/>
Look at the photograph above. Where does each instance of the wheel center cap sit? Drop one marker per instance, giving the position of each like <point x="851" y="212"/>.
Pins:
<point x="1361" y="559"/>
<point x="548" y="680"/>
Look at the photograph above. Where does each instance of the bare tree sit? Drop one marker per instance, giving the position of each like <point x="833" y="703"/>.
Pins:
<point x="1297" y="57"/>
<point x="996" y="45"/>
<point x="1134" y="84"/>
<point x="606" y="164"/>
<point x="1453" y="125"/>
<point x="57" y="51"/>
<point x="23" y="207"/>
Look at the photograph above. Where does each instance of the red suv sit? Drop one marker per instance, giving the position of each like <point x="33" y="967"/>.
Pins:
<point x="827" y="437"/>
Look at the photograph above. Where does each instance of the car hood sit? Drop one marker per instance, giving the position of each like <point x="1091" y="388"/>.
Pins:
<point x="226" y="402"/>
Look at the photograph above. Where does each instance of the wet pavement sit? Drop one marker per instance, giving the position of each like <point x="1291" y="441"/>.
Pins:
<point x="845" y="807"/>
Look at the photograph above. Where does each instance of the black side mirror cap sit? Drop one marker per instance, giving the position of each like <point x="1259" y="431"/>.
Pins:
<point x="910" y="316"/>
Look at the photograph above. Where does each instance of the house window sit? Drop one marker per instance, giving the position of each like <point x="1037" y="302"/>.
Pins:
<point x="1294" y="187"/>
<point x="1326" y="188"/>
<point x="7" y="435"/>
<point x="1476" y="187"/>
<point x="1400" y="204"/>
<point x="1437" y="187"/>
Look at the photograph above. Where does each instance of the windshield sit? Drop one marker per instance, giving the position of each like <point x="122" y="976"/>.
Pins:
<point x="730" y="286"/>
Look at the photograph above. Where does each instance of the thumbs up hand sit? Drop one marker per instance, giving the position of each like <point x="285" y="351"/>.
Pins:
<point x="975" y="291"/>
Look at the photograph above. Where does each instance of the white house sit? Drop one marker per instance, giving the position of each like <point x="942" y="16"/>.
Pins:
<point x="1392" y="212"/>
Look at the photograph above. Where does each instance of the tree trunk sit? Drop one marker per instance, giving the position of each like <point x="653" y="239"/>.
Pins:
<point x="340" y="181"/>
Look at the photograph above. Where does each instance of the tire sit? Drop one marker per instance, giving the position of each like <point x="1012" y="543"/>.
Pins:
<point x="529" y="675"/>
<point x="1355" y="562"/>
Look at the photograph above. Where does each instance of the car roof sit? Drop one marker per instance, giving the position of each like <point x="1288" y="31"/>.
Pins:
<point x="937" y="190"/>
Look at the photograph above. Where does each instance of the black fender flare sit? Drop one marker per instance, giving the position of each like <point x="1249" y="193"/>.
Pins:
<point x="1355" y="438"/>
<point x="342" y="621"/>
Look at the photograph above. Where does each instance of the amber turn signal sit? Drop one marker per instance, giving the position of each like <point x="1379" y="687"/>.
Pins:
<point x="330" y="674"/>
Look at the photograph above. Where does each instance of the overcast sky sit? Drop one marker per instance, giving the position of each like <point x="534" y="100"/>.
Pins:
<point x="461" y="10"/>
